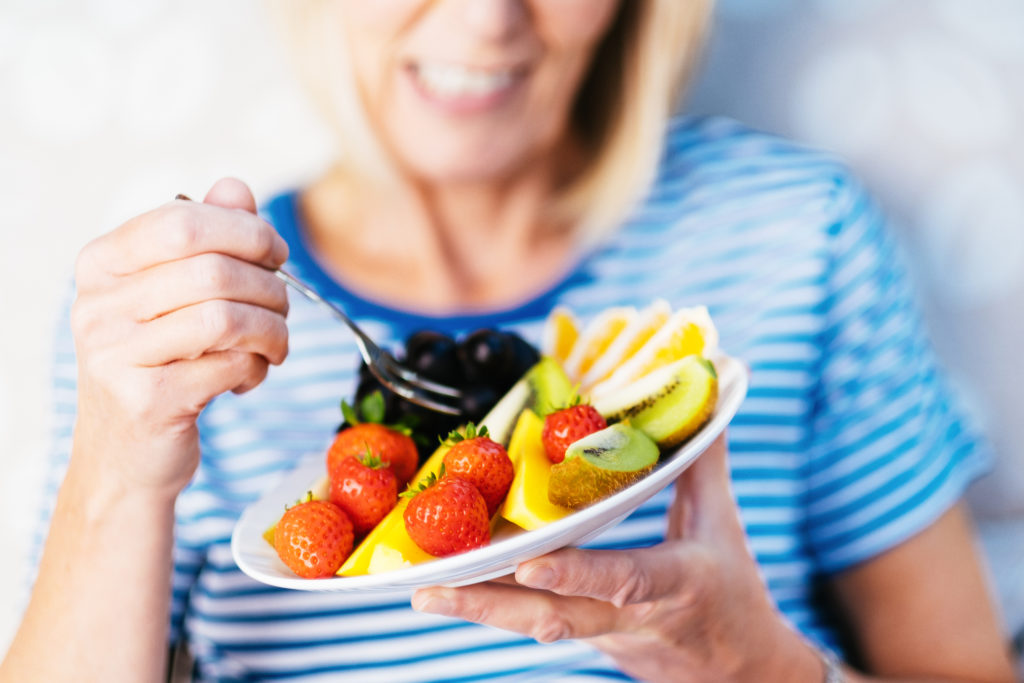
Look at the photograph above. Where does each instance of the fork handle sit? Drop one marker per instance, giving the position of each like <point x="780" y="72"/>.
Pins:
<point x="367" y="345"/>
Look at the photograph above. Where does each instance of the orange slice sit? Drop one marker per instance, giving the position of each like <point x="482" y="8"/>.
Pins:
<point x="596" y="338"/>
<point x="629" y="341"/>
<point x="687" y="332"/>
<point x="561" y="330"/>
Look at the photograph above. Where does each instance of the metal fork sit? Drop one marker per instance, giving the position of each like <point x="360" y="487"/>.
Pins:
<point x="402" y="381"/>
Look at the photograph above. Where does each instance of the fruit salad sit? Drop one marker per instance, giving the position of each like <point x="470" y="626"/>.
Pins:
<point x="588" y="416"/>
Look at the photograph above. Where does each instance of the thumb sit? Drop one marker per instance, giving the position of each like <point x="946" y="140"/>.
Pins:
<point x="231" y="193"/>
<point x="710" y="472"/>
<point x="704" y="501"/>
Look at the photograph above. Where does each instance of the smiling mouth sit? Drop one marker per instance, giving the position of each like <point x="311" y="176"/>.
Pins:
<point x="454" y="83"/>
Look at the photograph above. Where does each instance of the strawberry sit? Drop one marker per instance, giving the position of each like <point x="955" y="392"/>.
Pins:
<point x="392" y="447"/>
<point x="313" y="538"/>
<point x="482" y="462"/>
<point x="447" y="516"/>
<point x="565" y="426"/>
<point x="365" y="488"/>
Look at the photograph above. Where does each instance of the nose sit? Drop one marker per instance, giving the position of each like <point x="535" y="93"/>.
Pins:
<point x="495" y="19"/>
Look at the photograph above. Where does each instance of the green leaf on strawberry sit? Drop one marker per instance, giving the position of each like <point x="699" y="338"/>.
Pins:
<point x="424" y="484"/>
<point x="471" y="431"/>
<point x="372" y="407"/>
<point x="349" y="413"/>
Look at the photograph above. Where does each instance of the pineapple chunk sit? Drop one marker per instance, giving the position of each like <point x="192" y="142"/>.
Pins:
<point x="527" y="503"/>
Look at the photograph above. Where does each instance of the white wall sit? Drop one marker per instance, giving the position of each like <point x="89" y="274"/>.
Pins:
<point x="108" y="107"/>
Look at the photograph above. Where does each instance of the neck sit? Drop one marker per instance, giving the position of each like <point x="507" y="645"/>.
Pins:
<point x="455" y="245"/>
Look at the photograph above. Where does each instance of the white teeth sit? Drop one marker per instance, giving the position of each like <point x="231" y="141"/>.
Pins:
<point x="449" y="80"/>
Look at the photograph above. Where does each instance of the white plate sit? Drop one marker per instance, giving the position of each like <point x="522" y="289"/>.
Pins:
<point x="256" y="558"/>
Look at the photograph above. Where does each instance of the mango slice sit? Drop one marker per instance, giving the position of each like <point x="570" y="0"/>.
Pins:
<point x="388" y="546"/>
<point x="527" y="504"/>
<point x="385" y="548"/>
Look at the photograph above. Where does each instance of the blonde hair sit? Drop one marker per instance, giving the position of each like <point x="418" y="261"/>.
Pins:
<point x="635" y="82"/>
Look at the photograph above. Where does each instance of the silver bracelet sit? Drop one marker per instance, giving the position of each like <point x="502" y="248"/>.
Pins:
<point x="833" y="669"/>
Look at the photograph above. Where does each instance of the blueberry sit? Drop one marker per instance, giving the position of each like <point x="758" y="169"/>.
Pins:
<point x="435" y="356"/>
<point x="429" y="426"/>
<point x="364" y="371"/>
<point x="367" y="385"/>
<point x="477" y="400"/>
<point x="485" y="356"/>
<point x="524" y="355"/>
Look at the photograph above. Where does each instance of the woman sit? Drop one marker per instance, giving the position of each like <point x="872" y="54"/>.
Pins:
<point x="492" y="145"/>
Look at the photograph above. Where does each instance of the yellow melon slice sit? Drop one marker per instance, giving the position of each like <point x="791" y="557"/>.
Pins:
<point x="596" y="338"/>
<point x="687" y="332"/>
<point x="629" y="341"/>
<point x="561" y="330"/>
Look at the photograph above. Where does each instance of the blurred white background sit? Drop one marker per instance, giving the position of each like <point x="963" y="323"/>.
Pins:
<point x="109" y="107"/>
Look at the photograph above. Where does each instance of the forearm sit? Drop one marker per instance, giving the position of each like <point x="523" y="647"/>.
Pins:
<point x="851" y="676"/>
<point x="794" y="659"/>
<point x="99" y="610"/>
<point x="803" y="663"/>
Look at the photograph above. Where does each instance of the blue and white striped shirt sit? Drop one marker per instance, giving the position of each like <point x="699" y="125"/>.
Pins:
<point x="847" y="444"/>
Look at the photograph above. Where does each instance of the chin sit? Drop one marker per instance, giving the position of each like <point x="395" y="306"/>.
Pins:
<point x="457" y="164"/>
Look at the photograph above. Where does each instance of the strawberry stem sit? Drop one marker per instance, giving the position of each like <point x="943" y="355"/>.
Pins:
<point x="372" y="460"/>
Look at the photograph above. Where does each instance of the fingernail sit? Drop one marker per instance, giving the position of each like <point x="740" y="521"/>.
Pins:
<point x="434" y="604"/>
<point x="540" y="577"/>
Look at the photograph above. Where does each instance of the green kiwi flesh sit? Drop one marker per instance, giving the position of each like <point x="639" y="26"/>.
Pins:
<point x="669" y="404"/>
<point x="550" y="388"/>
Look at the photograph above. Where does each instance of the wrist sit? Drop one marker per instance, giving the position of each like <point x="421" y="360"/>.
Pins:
<point x="146" y="466"/>
<point x="95" y="488"/>
<point x="791" y="658"/>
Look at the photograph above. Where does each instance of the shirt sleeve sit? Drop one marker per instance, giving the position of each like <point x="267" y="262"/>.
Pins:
<point x="891" y="451"/>
<point x="62" y="420"/>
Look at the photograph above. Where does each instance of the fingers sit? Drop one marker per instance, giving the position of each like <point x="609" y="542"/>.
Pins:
<point x="197" y="279"/>
<point x="231" y="193"/>
<point x="217" y="372"/>
<point x="215" y="325"/>
<point x="621" y="578"/>
<point x="538" y="614"/>
<point x="176" y="231"/>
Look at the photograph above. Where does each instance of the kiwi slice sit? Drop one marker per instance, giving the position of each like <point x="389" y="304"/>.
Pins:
<point x="669" y="404"/>
<point x="550" y="388"/>
<point x="600" y="464"/>
<point x="503" y="416"/>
